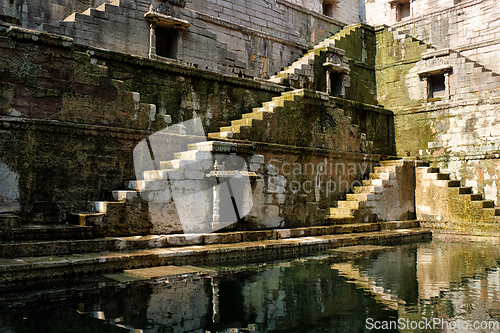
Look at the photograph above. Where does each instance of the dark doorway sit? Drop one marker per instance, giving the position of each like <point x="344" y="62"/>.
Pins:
<point x="167" y="41"/>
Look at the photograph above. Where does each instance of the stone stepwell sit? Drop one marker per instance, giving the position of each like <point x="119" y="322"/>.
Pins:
<point x="65" y="258"/>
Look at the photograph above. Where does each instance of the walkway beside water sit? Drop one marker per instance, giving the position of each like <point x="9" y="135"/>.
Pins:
<point x="46" y="262"/>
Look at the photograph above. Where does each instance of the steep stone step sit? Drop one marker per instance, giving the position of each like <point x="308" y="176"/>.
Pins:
<point x="51" y="232"/>
<point x="351" y="204"/>
<point x="123" y="195"/>
<point x="461" y="190"/>
<point x="382" y="169"/>
<point x="260" y="114"/>
<point x="253" y="122"/>
<point x="382" y="175"/>
<point x="193" y="155"/>
<point x="438" y="176"/>
<point x="109" y="207"/>
<point x="147" y="185"/>
<point x="85" y="218"/>
<point x="368" y="189"/>
<point x="487" y="203"/>
<point x="342" y="212"/>
<point x="361" y="197"/>
<point x="374" y="182"/>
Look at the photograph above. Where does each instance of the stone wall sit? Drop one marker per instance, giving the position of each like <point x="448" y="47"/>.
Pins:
<point x="384" y="11"/>
<point x="470" y="28"/>
<point x="346" y="11"/>
<point x="33" y="13"/>
<point x="104" y="103"/>
<point x="54" y="101"/>
<point x="456" y="130"/>
<point x="237" y="37"/>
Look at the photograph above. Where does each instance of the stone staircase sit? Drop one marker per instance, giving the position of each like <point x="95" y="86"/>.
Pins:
<point x="344" y="33"/>
<point x="476" y="72"/>
<point x="451" y="205"/>
<point x="268" y="123"/>
<point x="68" y="25"/>
<point x="184" y="173"/>
<point x="401" y="36"/>
<point x="377" y="199"/>
<point x="301" y="74"/>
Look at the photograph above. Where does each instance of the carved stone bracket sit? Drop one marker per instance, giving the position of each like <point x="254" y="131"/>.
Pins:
<point x="160" y="19"/>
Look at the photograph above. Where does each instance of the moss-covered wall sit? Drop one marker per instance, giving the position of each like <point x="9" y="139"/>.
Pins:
<point x="396" y="55"/>
<point x="358" y="41"/>
<point x="71" y="116"/>
<point x="69" y="121"/>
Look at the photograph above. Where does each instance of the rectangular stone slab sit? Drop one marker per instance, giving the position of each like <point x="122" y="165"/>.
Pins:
<point x="361" y="249"/>
<point x="163" y="271"/>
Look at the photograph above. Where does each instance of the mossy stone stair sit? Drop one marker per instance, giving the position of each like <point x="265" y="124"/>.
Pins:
<point x="463" y="206"/>
<point x="285" y="120"/>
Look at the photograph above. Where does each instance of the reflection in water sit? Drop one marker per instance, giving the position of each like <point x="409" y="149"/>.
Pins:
<point x="453" y="281"/>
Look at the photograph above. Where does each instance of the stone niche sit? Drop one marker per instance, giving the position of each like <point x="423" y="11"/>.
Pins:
<point x="337" y="72"/>
<point x="401" y="8"/>
<point x="165" y="37"/>
<point x="435" y="75"/>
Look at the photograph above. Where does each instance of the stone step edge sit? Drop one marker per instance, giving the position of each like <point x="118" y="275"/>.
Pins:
<point x="77" y="246"/>
<point x="12" y="270"/>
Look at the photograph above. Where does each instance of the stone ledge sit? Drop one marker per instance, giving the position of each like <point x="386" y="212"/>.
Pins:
<point x="72" y="246"/>
<point x="29" y="268"/>
<point x="286" y="149"/>
<point x="56" y="126"/>
<point x="34" y="36"/>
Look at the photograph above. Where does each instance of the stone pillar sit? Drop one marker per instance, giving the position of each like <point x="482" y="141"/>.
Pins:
<point x="447" y="85"/>
<point x="247" y="199"/>
<point x="152" y="39"/>
<point x="328" y="82"/>
<point x="216" y="203"/>
<point x="425" y="80"/>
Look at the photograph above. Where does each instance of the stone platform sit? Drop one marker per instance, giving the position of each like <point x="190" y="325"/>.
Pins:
<point x="43" y="261"/>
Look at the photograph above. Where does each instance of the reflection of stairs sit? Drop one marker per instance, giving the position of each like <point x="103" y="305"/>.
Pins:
<point x="365" y="203"/>
<point x="265" y="124"/>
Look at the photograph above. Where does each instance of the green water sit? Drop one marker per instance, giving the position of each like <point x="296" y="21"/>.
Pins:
<point x="453" y="284"/>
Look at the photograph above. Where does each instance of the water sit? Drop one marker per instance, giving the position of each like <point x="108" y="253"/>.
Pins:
<point x="454" y="284"/>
